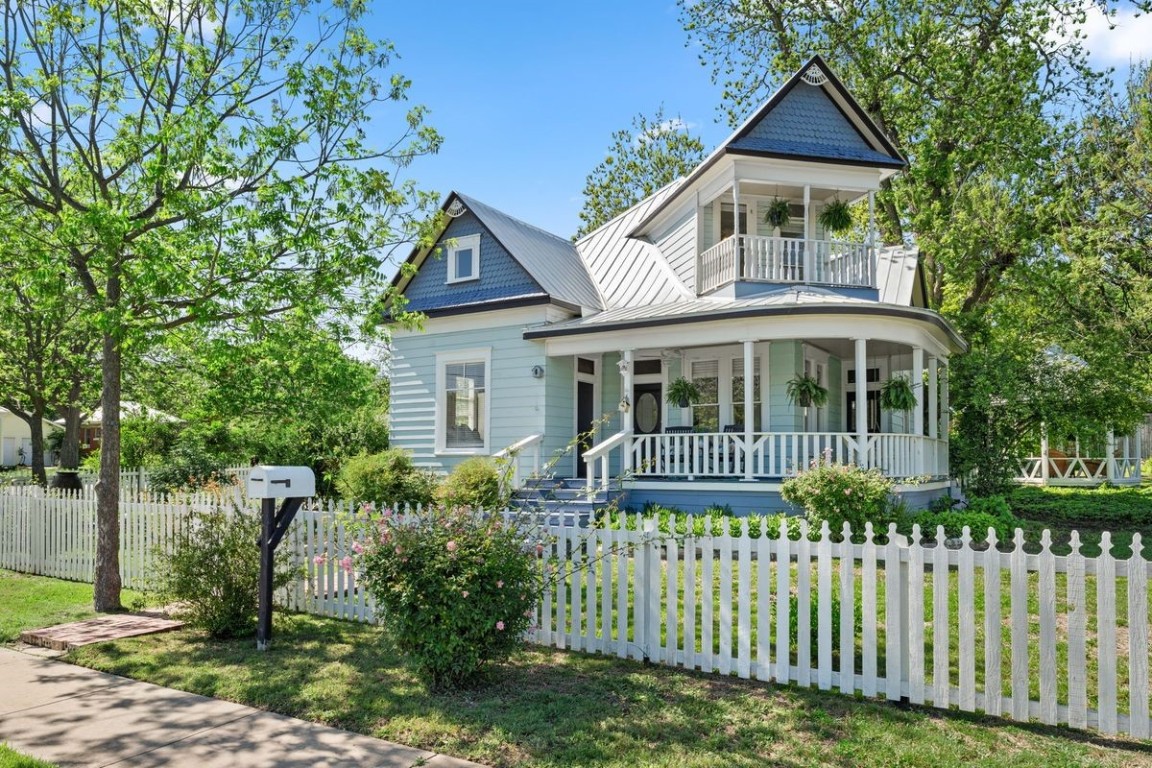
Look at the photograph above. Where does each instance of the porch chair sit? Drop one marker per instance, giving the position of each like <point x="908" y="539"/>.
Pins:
<point x="678" y="453"/>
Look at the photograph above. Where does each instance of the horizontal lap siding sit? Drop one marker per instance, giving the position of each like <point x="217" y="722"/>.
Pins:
<point x="559" y="419"/>
<point x="516" y="398"/>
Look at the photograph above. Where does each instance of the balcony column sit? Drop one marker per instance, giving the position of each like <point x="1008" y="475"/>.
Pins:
<point x="749" y="413"/>
<point x="736" y="231"/>
<point x="871" y="267"/>
<point x="807" y="232"/>
<point x="862" y="403"/>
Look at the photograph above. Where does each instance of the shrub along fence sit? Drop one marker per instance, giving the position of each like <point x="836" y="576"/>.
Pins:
<point x="1026" y="635"/>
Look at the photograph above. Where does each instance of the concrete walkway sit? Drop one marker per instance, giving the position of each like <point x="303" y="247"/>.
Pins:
<point x="75" y="716"/>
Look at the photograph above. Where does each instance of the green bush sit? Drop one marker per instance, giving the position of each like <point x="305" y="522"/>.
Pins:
<point x="213" y="572"/>
<point x="388" y="477"/>
<point x="474" y="483"/>
<point x="840" y="493"/>
<point x="979" y="515"/>
<point x="187" y="467"/>
<point x="456" y="591"/>
<point x="1114" y="508"/>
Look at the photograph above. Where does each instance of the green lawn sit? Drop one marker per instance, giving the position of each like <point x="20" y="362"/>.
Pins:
<point x="30" y="602"/>
<point x="10" y="758"/>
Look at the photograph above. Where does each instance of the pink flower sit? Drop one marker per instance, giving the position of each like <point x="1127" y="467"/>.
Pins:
<point x="539" y="549"/>
<point x="320" y="559"/>
<point x="357" y="547"/>
<point x="500" y="626"/>
<point x="847" y="491"/>
<point x="500" y="585"/>
<point x="451" y="546"/>
<point x="386" y="513"/>
<point x="346" y="564"/>
<point x="464" y="593"/>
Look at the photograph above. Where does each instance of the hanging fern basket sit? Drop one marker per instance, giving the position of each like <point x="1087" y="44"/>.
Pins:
<point x="897" y="395"/>
<point x="836" y="217"/>
<point x="778" y="214"/>
<point x="805" y="391"/>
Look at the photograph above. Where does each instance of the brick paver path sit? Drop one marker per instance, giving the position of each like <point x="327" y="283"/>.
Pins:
<point x="65" y="636"/>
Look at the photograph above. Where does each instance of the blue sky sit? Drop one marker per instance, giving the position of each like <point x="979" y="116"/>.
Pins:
<point x="528" y="94"/>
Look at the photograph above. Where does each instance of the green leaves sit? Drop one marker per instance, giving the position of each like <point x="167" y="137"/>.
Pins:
<point x="656" y="152"/>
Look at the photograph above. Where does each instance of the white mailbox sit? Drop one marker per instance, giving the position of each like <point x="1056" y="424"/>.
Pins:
<point x="281" y="483"/>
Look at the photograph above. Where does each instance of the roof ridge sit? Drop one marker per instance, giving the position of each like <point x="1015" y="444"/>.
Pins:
<point x="471" y="201"/>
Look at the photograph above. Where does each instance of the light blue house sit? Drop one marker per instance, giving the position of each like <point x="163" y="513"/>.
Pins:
<point x="531" y="340"/>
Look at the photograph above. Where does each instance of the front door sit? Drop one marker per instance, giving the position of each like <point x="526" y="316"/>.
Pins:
<point x="646" y="409"/>
<point x="585" y="422"/>
<point x="873" y="411"/>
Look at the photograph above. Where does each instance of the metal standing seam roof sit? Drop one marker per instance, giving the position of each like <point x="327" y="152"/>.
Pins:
<point x="800" y="298"/>
<point x="631" y="271"/>
<point x="552" y="261"/>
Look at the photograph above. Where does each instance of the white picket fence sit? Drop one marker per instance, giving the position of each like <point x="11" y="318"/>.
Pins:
<point x="1030" y="636"/>
<point x="131" y="480"/>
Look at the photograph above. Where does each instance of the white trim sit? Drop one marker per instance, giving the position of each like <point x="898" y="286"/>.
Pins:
<point x="525" y="317"/>
<point x="467" y="242"/>
<point x="444" y="359"/>
<point x="597" y="403"/>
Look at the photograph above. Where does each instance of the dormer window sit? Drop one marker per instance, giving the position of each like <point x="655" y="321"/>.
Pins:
<point x="464" y="259"/>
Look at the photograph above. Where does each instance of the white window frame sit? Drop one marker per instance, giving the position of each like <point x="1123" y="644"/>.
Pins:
<point x="461" y="244"/>
<point x="455" y="357"/>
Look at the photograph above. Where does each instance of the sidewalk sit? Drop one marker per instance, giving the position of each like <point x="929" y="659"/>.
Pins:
<point x="75" y="716"/>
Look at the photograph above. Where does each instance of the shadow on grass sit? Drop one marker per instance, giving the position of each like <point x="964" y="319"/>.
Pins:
<point x="558" y="708"/>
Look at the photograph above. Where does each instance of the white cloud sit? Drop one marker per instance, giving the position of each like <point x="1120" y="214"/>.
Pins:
<point x="1119" y="39"/>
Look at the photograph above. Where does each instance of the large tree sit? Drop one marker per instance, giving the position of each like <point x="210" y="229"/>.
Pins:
<point x="655" y="152"/>
<point x="196" y="162"/>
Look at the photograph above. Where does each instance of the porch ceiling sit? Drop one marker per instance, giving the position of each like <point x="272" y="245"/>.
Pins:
<point x="841" y="348"/>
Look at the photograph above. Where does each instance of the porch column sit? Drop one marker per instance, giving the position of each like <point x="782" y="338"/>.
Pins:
<point x="1111" y="457"/>
<point x="933" y="397"/>
<point x="749" y="413"/>
<point x="627" y="419"/>
<point x="1044" y="467"/>
<point x="807" y="203"/>
<point x="862" y="403"/>
<point x="918" y="411"/>
<point x="945" y="406"/>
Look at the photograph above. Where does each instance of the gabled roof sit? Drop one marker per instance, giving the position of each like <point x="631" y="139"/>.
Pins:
<point x="811" y="117"/>
<point x="550" y="260"/>
<point x="631" y="271"/>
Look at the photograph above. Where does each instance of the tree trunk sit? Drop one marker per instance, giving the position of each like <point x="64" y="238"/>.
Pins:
<point x="70" y="445"/>
<point x="36" y="426"/>
<point x="106" y="597"/>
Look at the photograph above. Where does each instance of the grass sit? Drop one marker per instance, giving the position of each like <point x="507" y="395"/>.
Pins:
<point x="552" y="708"/>
<point x="30" y="602"/>
<point x="10" y="758"/>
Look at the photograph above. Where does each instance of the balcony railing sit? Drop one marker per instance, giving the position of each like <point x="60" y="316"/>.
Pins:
<point x="785" y="260"/>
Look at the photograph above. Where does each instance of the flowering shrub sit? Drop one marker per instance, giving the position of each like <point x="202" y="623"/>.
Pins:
<point x="456" y="591"/>
<point x="841" y="493"/>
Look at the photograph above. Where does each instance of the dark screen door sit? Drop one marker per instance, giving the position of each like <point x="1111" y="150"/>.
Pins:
<point x="585" y="420"/>
<point x="646" y="409"/>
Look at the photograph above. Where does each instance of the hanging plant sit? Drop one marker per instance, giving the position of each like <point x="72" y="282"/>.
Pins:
<point x="805" y="391"/>
<point x="836" y="216"/>
<point x="682" y="392"/>
<point x="897" y="395"/>
<point x="778" y="214"/>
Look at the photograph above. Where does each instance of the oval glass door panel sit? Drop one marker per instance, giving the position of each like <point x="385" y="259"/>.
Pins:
<point x="647" y="412"/>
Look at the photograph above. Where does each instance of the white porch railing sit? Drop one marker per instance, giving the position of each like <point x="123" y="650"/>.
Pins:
<point x="785" y="260"/>
<point x="513" y="454"/>
<point x="602" y="451"/>
<point x="780" y="454"/>
<point x="1054" y="467"/>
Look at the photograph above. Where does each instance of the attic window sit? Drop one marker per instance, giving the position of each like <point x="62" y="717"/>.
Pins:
<point x="464" y="259"/>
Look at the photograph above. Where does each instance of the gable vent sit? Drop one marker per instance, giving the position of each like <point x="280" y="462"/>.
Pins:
<point x="814" y="76"/>
<point x="455" y="209"/>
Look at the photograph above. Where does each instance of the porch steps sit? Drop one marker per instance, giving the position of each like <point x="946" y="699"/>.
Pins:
<point x="562" y="501"/>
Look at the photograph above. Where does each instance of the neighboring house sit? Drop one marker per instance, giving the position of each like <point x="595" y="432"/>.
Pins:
<point x="530" y="339"/>
<point x="92" y="424"/>
<point x="16" y="440"/>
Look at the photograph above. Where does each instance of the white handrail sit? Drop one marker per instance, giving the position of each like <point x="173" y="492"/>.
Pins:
<point x="512" y="452"/>
<point x="785" y="260"/>
<point x="601" y="451"/>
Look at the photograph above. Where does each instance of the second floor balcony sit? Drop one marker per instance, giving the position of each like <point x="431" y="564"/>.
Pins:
<point x="785" y="260"/>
